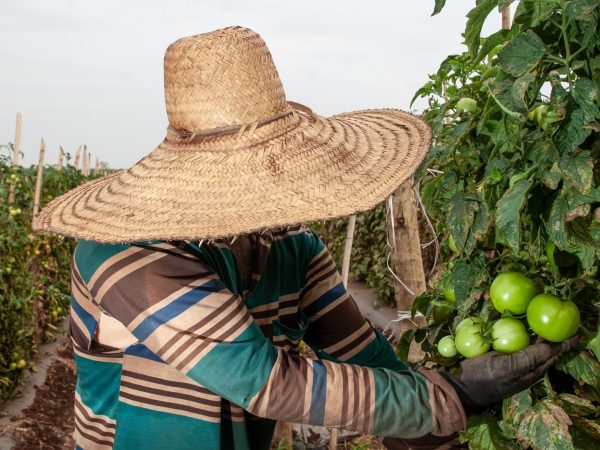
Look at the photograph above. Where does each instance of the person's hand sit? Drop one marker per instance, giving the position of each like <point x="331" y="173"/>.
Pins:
<point x="489" y="378"/>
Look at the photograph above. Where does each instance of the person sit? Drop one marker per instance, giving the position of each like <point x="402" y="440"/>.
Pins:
<point x="195" y="276"/>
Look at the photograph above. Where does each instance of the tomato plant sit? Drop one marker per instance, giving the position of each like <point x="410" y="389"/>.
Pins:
<point x="552" y="318"/>
<point x="517" y="186"/>
<point x="34" y="275"/>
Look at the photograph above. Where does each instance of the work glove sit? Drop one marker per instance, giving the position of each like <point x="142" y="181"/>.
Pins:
<point x="487" y="379"/>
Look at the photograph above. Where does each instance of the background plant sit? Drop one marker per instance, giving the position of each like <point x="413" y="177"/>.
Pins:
<point x="520" y="191"/>
<point x="34" y="269"/>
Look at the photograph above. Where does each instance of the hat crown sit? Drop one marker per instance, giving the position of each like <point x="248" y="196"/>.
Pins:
<point x="225" y="77"/>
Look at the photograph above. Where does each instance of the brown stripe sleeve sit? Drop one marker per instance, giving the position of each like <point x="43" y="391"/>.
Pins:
<point x="448" y="414"/>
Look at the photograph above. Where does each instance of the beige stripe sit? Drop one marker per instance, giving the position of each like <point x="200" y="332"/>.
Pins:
<point x="319" y="289"/>
<point x="169" y="410"/>
<point x="308" y="392"/>
<point x="240" y="329"/>
<point x="109" y="262"/>
<point x="357" y="348"/>
<point x="90" y="412"/>
<point x="341" y="344"/>
<point x="360" y="425"/>
<point x="371" y="406"/>
<point x="288" y="311"/>
<point x="334" y="401"/>
<point x="170" y="388"/>
<point x="329" y="307"/>
<point x="119" y="275"/>
<point x="157" y="340"/>
<point x="325" y="260"/>
<point x="166" y="398"/>
<point x="92" y="428"/>
<point x="265" y="307"/>
<point x="258" y="405"/>
<point x="266" y="320"/>
<point x="152" y="309"/>
<point x="86" y="444"/>
<point x="323" y="267"/>
<point x="83" y="299"/>
<point x="292" y="296"/>
<point x="186" y="320"/>
<point x="98" y="357"/>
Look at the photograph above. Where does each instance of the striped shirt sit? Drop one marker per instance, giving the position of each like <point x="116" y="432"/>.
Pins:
<point x="174" y="352"/>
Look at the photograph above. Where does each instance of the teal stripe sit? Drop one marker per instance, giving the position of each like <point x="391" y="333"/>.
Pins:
<point x="98" y="385"/>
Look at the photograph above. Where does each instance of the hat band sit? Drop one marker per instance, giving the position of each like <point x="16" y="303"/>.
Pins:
<point x="239" y="129"/>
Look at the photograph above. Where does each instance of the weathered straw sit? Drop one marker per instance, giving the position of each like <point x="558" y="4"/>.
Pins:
<point x="282" y="165"/>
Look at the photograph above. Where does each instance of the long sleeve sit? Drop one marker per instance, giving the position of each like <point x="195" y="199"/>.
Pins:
<point x="181" y="312"/>
<point x="337" y="331"/>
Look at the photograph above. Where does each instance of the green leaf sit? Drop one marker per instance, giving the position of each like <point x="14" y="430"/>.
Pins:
<point x="575" y="405"/>
<point x="484" y="433"/>
<point x="552" y="177"/>
<point x="522" y="53"/>
<point x="439" y="4"/>
<point x="545" y="426"/>
<point x="519" y="90"/>
<point x="589" y="427"/>
<point x="516" y="406"/>
<point x="491" y="42"/>
<point x="573" y="132"/>
<point x="579" y="170"/>
<point x="508" y="213"/>
<point x="582" y="441"/>
<point x="581" y="9"/>
<point x="583" y="367"/>
<point x="567" y="206"/>
<point x="475" y="19"/>
<point x="537" y="11"/>
<point x="461" y="215"/>
<point x="585" y="94"/>
<point x="502" y="93"/>
<point x="594" y="344"/>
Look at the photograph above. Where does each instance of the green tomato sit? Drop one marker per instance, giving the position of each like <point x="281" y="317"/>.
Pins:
<point x="467" y="322"/>
<point x="22" y="364"/>
<point x="466" y="104"/>
<point x="512" y="292"/>
<point x="509" y="335"/>
<point x="452" y="244"/>
<point x="440" y="311"/>
<point x="552" y="318"/>
<point x="12" y="366"/>
<point x="469" y="341"/>
<point x="447" y="347"/>
<point x="449" y="294"/>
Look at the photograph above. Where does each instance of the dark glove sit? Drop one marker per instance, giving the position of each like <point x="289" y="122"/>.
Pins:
<point x="489" y="378"/>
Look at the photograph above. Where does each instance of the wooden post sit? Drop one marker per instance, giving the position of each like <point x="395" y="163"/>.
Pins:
<point x="84" y="159"/>
<point x="77" y="158"/>
<point x="88" y="166"/>
<point x="61" y="155"/>
<point x="406" y="256"/>
<point x="15" y="157"/>
<point x="38" y="179"/>
<point x="97" y="167"/>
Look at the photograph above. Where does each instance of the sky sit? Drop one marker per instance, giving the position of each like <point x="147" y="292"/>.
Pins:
<point x="90" y="72"/>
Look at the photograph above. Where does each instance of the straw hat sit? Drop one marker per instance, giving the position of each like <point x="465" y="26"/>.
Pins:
<point x="239" y="158"/>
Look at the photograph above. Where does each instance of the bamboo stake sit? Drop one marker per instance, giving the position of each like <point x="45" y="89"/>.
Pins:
<point x="97" y="168"/>
<point x="88" y="166"/>
<point x="38" y="179"/>
<point x="84" y="158"/>
<point x="61" y="155"/>
<point x="333" y="437"/>
<point x="15" y="158"/>
<point x="506" y="18"/>
<point x="77" y="158"/>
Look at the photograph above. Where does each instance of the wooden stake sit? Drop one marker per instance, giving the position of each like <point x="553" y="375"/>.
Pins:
<point x="506" y="18"/>
<point x="15" y="157"/>
<point x="38" y="179"/>
<point x="88" y="166"/>
<point x="84" y="158"/>
<point x="77" y="157"/>
<point x="61" y="155"/>
<point x="97" y="168"/>
<point x="406" y="259"/>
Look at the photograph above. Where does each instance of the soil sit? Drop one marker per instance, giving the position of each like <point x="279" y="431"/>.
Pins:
<point x="49" y="422"/>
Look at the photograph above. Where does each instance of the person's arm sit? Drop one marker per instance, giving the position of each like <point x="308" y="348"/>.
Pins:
<point x="181" y="312"/>
<point x="337" y="331"/>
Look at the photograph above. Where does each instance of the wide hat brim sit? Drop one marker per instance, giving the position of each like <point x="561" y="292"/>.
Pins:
<point x="296" y="170"/>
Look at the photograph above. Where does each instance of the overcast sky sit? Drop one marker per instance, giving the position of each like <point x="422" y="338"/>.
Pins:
<point x="91" y="71"/>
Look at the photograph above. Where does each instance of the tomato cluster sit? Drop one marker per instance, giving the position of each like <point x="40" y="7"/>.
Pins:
<point x="513" y="295"/>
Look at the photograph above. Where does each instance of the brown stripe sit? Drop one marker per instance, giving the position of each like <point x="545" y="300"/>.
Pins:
<point x="288" y="303"/>
<point x="318" y="261"/>
<point x="175" y="406"/>
<point x="352" y="344"/>
<point x="325" y="267"/>
<point x="308" y="288"/>
<point x="95" y="429"/>
<point x="217" y="339"/>
<point x="367" y="398"/>
<point x="99" y="420"/>
<point x="345" y="393"/>
<point x="150" y="284"/>
<point x="355" y="407"/>
<point x="115" y="267"/>
<point x="166" y="382"/>
<point x="265" y="314"/>
<point x="166" y="393"/>
<point x="90" y="437"/>
<point x="190" y="331"/>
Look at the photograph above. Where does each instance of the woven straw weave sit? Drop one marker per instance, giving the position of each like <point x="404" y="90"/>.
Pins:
<point x="239" y="158"/>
